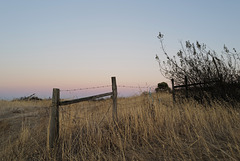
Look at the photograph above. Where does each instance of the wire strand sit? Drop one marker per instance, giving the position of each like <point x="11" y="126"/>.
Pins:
<point x="97" y="87"/>
<point x="124" y="86"/>
<point x="80" y="89"/>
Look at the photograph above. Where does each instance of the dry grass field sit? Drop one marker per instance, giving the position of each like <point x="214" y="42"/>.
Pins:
<point x="148" y="128"/>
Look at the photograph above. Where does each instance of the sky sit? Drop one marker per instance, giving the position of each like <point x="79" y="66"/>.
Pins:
<point x="83" y="43"/>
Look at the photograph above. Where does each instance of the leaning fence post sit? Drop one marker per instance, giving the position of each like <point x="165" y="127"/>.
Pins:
<point x="54" y="119"/>
<point x="114" y="97"/>
<point x="173" y="91"/>
<point x="186" y="86"/>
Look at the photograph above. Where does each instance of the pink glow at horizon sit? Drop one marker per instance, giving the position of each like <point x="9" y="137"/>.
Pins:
<point x="88" y="89"/>
<point x="80" y="44"/>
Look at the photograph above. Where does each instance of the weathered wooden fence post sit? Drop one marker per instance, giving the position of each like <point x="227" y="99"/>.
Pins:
<point x="54" y="119"/>
<point x="114" y="97"/>
<point x="173" y="91"/>
<point x="186" y="86"/>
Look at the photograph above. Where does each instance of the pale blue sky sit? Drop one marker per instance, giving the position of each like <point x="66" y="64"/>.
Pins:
<point x="75" y="44"/>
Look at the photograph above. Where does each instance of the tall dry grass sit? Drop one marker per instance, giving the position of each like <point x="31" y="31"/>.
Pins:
<point x="148" y="128"/>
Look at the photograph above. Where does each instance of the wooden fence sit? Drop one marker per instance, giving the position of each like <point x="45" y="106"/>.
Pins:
<point x="54" y="113"/>
<point x="186" y="86"/>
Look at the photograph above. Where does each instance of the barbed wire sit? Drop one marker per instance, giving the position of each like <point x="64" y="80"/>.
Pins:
<point x="105" y="115"/>
<point x="124" y="86"/>
<point x="96" y="87"/>
<point x="80" y="89"/>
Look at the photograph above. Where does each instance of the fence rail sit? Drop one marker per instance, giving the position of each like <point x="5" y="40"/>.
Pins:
<point x="85" y="99"/>
<point x="54" y="113"/>
<point x="186" y="85"/>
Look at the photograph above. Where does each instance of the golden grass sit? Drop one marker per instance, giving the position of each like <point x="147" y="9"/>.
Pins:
<point x="147" y="129"/>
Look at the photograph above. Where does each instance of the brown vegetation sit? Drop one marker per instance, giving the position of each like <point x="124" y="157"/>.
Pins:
<point x="148" y="128"/>
<point x="200" y="64"/>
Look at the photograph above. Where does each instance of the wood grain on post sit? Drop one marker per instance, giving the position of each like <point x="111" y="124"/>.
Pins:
<point x="114" y="97"/>
<point x="173" y="90"/>
<point x="54" y="119"/>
